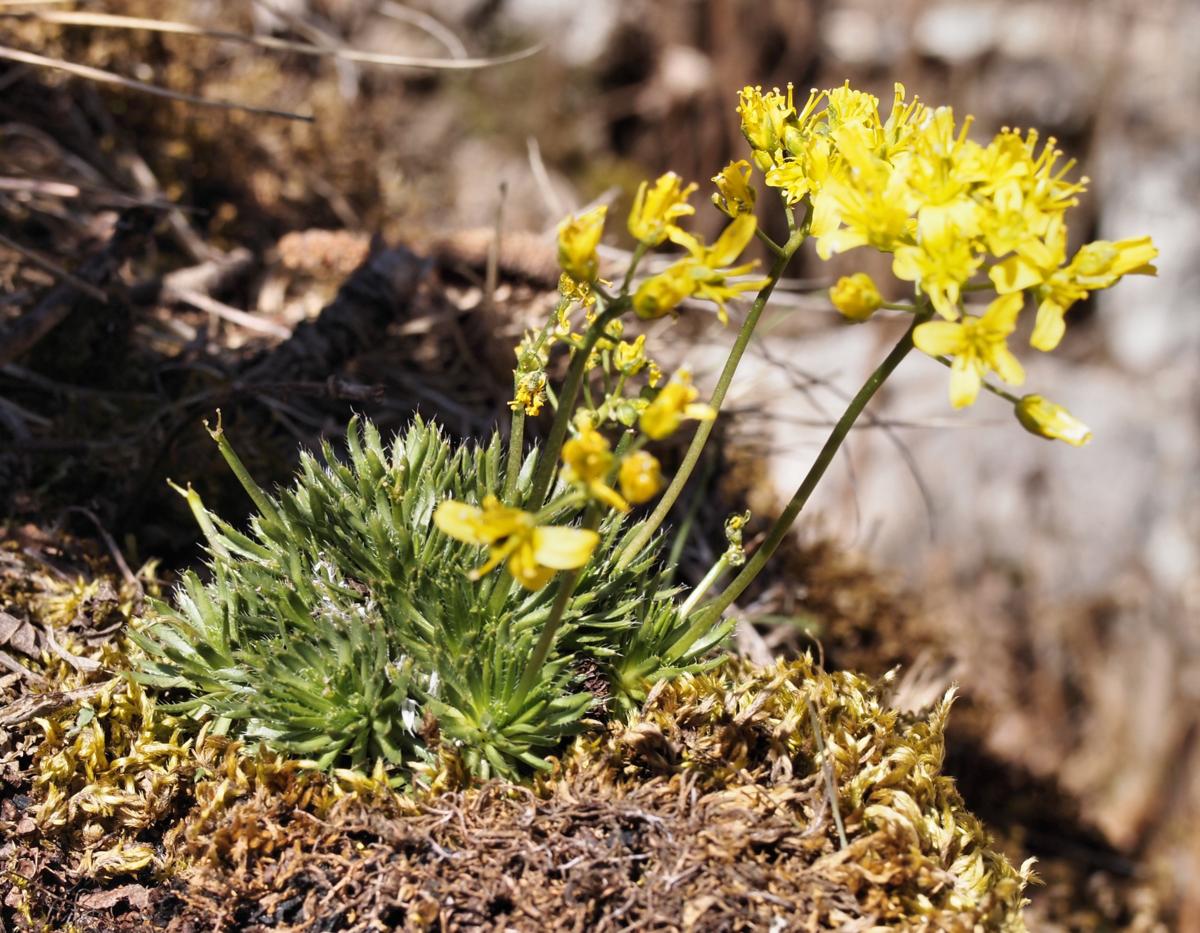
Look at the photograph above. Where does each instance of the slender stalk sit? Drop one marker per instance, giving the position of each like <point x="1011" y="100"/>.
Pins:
<point x="638" y="252"/>
<point x="548" y="457"/>
<point x="704" y="428"/>
<point x="512" y="466"/>
<point x="827" y="767"/>
<point x="713" y="575"/>
<point x="832" y="444"/>
<point x="541" y="651"/>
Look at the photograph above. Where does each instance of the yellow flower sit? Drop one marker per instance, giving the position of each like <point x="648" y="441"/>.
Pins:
<point x="630" y="357"/>
<point x="676" y="401"/>
<point x="578" y="238"/>
<point x="764" y="121"/>
<point x="574" y="290"/>
<point x="534" y="552"/>
<point x="1053" y="422"/>
<point x="734" y="195"/>
<point x="587" y="461"/>
<point x="661" y="294"/>
<point x="940" y="264"/>
<point x="640" y="477"/>
<point x="977" y="345"/>
<point x="856" y="296"/>
<point x="531" y="393"/>
<point x="656" y="210"/>
<point x="703" y="274"/>
<point x="1056" y="287"/>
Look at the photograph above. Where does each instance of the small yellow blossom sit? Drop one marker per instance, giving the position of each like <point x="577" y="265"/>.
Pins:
<point x="940" y="264"/>
<point x="764" y="121"/>
<point x="578" y="238"/>
<point x="856" y="296"/>
<point x="661" y="294"/>
<point x="1057" y="287"/>
<point x="1053" y="422"/>
<point x="587" y="461"/>
<point x="656" y="209"/>
<point x="630" y="356"/>
<point x="574" y="290"/>
<point x="734" y="195"/>
<point x="977" y="344"/>
<point x="640" y="477"/>
<point x="705" y="273"/>
<point x="675" y="402"/>
<point x="534" y="552"/>
<point x="531" y="393"/>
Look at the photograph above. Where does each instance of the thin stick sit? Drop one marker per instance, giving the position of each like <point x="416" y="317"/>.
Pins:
<point x="107" y="77"/>
<point x="55" y="269"/>
<point x="429" y="25"/>
<point x="827" y="767"/>
<point x="113" y="21"/>
<point x="227" y="313"/>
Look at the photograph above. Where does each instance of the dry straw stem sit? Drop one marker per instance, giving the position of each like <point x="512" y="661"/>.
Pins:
<point x="113" y="21"/>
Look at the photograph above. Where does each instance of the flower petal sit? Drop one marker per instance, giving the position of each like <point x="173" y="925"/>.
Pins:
<point x="1001" y="315"/>
<point x="733" y="239"/>
<point x="526" y="569"/>
<point x="1006" y="366"/>
<point x="964" y="382"/>
<point x="460" y="521"/>
<point x="1050" y="327"/>
<point x="563" y="548"/>
<point x="939" y="338"/>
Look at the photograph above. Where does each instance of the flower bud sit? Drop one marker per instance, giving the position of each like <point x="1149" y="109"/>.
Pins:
<point x="578" y="238"/>
<point x="1053" y="422"/>
<point x="640" y="477"/>
<point x="856" y="296"/>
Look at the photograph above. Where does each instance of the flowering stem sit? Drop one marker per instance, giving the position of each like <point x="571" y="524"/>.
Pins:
<point x="541" y="651"/>
<point x="704" y="429"/>
<point x="638" y="252"/>
<point x="516" y="443"/>
<point x="832" y="444"/>
<point x="548" y="457"/>
<point x="697" y="594"/>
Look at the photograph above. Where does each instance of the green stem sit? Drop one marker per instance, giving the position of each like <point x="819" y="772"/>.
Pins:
<point x="541" y="651"/>
<point x="638" y="252"/>
<point x="832" y="444"/>
<point x="704" y="429"/>
<point x="995" y="390"/>
<point x="516" y="443"/>
<point x="713" y="575"/>
<point x="548" y="458"/>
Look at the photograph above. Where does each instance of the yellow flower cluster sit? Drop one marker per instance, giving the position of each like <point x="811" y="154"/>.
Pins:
<point x="955" y="214"/>
<point x="588" y="462"/>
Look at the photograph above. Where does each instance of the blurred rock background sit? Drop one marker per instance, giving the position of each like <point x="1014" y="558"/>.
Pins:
<point x="1060" y="588"/>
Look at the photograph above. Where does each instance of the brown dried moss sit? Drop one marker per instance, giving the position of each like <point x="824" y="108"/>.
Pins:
<point x="710" y="812"/>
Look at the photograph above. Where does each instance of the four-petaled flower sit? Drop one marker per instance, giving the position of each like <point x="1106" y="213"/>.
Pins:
<point x="676" y="401"/>
<point x="977" y="344"/>
<point x="534" y="552"/>
<point x="656" y="209"/>
<point x="704" y="273"/>
<point x="734" y="194"/>
<point x="587" y="461"/>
